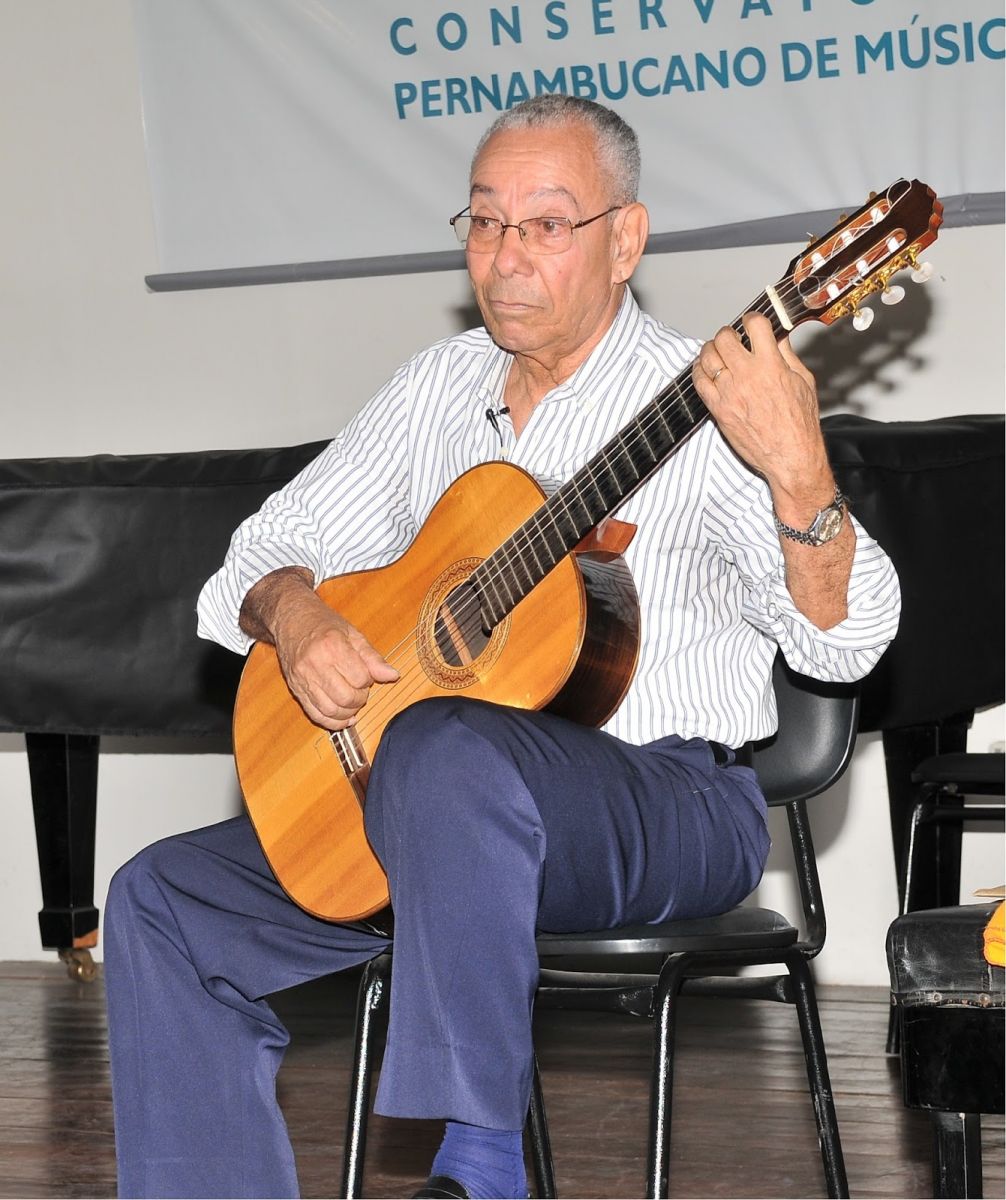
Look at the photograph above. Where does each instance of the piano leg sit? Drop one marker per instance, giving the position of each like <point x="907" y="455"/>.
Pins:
<point x="64" y="788"/>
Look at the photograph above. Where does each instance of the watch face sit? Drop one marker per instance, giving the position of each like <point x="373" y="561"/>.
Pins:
<point x="828" y="525"/>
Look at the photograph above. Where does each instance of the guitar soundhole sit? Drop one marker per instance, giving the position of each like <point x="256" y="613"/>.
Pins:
<point x="454" y="650"/>
<point x="458" y="631"/>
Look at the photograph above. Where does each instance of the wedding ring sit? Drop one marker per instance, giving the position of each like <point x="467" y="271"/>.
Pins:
<point x="716" y="374"/>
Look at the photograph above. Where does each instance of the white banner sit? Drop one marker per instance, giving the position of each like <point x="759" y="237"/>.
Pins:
<point x="297" y="131"/>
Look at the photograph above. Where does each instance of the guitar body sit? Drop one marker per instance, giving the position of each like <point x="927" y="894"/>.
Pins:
<point x="570" y="646"/>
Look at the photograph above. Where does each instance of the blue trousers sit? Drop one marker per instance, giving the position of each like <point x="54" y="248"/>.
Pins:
<point x="491" y="823"/>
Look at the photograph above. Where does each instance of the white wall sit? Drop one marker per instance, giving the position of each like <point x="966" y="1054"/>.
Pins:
<point x="90" y="361"/>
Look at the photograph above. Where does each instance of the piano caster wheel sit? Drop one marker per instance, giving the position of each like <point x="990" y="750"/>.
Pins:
<point x="79" y="964"/>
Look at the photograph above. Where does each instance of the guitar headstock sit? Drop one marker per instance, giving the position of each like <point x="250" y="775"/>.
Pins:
<point x="836" y="273"/>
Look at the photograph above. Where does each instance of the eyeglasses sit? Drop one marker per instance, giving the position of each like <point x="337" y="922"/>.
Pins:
<point x="540" y="235"/>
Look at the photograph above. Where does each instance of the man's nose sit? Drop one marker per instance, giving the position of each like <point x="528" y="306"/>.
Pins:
<point x="510" y="254"/>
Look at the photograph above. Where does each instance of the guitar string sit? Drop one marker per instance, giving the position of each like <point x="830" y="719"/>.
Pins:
<point x="533" y="530"/>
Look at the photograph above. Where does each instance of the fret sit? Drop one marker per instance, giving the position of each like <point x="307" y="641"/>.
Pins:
<point x="625" y="456"/>
<point x="565" y="528"/>
<point x="574" y="502"/>
<point x="659" y="408"/>
<point x="493" y="606"/>
<point x="643" y="445"/>
<point x="505" y="580"/>
<point x="605" y="471"/>
<point x="490" y="605"/>
<point x="521" y="572"/>
<point x="682" y="396"/>
<point x="590" y="475"/>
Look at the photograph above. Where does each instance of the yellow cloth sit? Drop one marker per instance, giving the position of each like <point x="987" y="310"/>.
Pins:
<point x="995" y="942"/>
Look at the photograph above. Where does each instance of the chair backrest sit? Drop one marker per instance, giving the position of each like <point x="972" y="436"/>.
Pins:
<point x="816" y="737"/>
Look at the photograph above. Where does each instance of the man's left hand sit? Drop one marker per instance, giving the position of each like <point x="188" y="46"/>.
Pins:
<point x="764" y="401"/>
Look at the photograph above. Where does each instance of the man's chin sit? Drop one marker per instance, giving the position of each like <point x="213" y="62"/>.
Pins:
<point x="512" y="331"/>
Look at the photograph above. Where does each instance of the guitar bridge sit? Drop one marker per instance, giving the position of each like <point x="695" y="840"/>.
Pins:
<point x="352" y="758"/>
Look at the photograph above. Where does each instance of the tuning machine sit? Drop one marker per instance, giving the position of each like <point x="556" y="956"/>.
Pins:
<point x="862" y="319"/>
<point x="922" y="272"/>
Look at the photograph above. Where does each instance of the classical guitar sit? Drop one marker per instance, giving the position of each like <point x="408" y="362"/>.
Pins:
<point x="507" y="596"/>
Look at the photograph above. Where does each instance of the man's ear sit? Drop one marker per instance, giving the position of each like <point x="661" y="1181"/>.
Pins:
<point x="632" y="225"/>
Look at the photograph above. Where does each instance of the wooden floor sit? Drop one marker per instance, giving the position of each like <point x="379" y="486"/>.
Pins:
<point x="742" y="1123"/>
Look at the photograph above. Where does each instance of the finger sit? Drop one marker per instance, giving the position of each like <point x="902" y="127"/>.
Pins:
<point x="378" y="669"/>
<point x="335" y="719"/>
<point x="730" y="348"/>
<point x="327" y="690"/>
<point x="760" y="333"/>
<point x="381" y="671"/>
<point x="795" y="364"/>
<point x="704" y="386"/>
<point x="709" y="361"/>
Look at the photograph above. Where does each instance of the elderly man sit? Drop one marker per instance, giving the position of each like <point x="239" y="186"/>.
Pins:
<point x="491" y="822"/>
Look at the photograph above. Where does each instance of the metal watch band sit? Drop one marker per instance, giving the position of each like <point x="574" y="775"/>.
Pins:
<point x="806" y="536"/>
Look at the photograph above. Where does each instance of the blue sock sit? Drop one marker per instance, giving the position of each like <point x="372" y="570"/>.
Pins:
<point x="489" y="1163"/>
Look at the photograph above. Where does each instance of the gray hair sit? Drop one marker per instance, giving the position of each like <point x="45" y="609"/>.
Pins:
<point x="617" y="144"/>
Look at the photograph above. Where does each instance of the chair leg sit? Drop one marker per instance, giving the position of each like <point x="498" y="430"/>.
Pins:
<point x="662" y="1079"/>
<point x="541" y="1145"/>
<point x="957" y="1155"/>
<point x="371" y="999"/>
<point x="817" y="1075"/>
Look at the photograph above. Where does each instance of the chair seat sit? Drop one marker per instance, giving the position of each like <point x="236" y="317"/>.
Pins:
<point x="983" y="774"/>
<point x="737" y="929"/>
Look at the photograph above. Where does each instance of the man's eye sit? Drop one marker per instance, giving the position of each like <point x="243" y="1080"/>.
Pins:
<point x="484" y="224"/>
<point x="552" y="227"/>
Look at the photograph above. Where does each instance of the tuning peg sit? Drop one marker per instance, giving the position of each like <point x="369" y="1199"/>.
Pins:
<point x="892" y="295"/>
<point x="923" y="272"/>
<point x="862" y="319"/>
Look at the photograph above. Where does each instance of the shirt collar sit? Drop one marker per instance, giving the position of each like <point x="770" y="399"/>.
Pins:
<point x="608" y="356"/>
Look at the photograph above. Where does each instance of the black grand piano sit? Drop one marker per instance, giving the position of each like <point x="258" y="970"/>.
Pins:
<point x="101" y="560"/>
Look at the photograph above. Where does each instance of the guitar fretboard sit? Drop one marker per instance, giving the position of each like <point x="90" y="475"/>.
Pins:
<point x="621" y="466"/>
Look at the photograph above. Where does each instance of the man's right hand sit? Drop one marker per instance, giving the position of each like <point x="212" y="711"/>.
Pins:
<point x="327" y="663"/>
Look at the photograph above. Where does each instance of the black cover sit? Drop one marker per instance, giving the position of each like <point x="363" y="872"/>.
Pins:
<point x="949" y="1002"/>
<point x="101" y="561"/>
<point x="931" y="493"/>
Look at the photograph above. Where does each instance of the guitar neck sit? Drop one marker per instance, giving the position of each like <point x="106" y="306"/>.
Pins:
<point x="621" y="466"/>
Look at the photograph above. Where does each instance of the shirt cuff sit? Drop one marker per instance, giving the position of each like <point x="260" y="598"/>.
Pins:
<point x="218" y="608"/>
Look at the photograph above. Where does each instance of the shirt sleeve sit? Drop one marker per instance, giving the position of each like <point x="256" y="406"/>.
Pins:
<point x="348" y="510"/>
<point x="739" y="521"/>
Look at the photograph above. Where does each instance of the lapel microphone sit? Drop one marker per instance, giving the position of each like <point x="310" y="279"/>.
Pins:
<point x="492" y="414"/>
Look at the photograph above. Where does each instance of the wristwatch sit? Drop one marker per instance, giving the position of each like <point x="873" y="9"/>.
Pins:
<point x="825" y="527"/>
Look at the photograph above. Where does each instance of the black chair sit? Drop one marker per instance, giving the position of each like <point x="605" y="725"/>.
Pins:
<point x="817" y="730"/>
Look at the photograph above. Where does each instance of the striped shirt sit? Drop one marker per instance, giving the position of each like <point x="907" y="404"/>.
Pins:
<point x="706" y="558"/>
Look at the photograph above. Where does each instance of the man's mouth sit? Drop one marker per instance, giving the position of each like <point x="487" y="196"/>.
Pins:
<point x="503" y="304"/>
